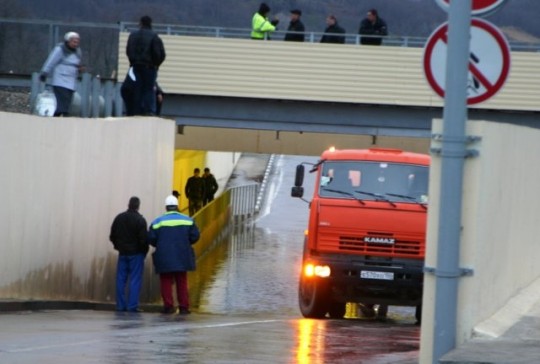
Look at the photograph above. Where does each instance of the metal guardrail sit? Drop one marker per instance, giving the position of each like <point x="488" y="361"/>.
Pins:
<point x="93" y="98"/>
<point x="243" y="202"/>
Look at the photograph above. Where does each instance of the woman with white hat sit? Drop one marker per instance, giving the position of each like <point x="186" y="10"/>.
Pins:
<point x="63" y="66"/>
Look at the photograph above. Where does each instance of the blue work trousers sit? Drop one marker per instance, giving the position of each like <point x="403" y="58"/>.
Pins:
<point x="129" y="274"/>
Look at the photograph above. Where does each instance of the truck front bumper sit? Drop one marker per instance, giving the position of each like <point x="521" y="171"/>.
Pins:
<point x="373" y="279"/>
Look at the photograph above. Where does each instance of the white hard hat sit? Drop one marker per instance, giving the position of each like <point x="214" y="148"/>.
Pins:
<point x="171" y="201"/>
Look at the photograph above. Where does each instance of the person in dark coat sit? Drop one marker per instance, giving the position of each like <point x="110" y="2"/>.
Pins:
<point x="333" y="32"/>
<point x="210" y="186"/>
<point x="370" y="26"/>
<point x="295" y="32"/>
<point x="173" y="235"/>
<point x="146" y="53"/>
<point x="195" y="192"/>
<point x="128" y="236"/>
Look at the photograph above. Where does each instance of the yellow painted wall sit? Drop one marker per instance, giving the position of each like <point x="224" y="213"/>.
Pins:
<point x="185" y="161"/>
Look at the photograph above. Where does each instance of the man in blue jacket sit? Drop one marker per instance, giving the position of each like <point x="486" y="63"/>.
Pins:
<point x="173" y="235"/>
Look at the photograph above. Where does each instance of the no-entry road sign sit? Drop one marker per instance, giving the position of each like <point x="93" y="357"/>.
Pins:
<point x="489" y="61"/>
<point x="479" y="7"/>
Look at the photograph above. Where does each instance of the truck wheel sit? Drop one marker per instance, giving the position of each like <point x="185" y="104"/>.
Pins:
<point x="311" y="300"/>
<point x="336" y="310"/>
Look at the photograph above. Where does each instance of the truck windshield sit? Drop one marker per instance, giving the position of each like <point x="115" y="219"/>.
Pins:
<point x="375" y="181"/>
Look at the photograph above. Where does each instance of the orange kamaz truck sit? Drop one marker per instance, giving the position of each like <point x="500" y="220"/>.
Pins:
<point x="365" y="242"/>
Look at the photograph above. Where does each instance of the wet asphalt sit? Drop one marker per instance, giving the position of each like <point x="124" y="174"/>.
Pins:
<point x="246" y="312"/>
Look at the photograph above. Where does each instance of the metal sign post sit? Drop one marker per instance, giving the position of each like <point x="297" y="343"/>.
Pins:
<point x="453" y="152"/>
<point x="467" y="62"/>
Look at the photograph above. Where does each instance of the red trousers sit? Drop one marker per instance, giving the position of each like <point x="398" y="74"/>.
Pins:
<point x="166" y="283"/>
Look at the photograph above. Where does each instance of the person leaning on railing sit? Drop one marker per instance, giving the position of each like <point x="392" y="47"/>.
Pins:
<point x="260" y="25"/>
<point x="374" y="27"/>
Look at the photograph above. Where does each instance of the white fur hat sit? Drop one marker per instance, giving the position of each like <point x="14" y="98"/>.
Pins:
<point x="70" y="35"/>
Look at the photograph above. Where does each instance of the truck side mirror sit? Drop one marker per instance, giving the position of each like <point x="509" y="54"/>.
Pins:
<point x="297" y="191"/>
<point x="299" y="176"/>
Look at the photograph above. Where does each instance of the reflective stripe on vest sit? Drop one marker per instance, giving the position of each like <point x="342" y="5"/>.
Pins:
<point x="172" y="222"/>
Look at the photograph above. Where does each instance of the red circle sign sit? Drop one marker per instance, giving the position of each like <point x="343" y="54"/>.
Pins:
<point x="479" y="7"/>
<point x="489" y="61"/>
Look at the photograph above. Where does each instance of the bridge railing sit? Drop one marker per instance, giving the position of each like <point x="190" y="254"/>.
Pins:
<point x="101" y="58"/>
<point x="311" y="37"/>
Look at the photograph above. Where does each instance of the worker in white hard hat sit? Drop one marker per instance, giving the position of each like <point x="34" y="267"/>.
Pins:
<point x="173" y="234"/>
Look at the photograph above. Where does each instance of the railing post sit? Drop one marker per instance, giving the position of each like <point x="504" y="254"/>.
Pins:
<point x="118" y="101"/>
<point x="96" y="92"/>
<point x="108" y="95"/>
<point x="85" y="95"/>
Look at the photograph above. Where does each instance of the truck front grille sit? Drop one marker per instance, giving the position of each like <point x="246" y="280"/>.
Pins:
<point x="404" y="248"/>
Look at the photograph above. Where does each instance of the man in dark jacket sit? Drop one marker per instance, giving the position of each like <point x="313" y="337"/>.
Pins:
<point x="173" y="235"/>
<point x="295" y="32"/>
<point x="128" y="235"/>
<point x="195" y="192"/>
<point x="372" y="25"/>
<point x="333" y="32"/>
<point x="210" y="186"/>
<point x="146" y="53"/>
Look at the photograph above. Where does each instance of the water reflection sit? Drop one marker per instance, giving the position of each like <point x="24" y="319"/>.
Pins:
<point x="358" y="341"/>
<point x="310" y="349"/>
<point x="255" y="274"/>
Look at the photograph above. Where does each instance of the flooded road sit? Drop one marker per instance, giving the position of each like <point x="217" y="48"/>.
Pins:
<point x="258" y="277"/>
<point x="245" y="312"/>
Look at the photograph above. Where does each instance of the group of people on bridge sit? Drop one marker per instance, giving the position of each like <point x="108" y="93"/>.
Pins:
<point x="372" y="28"/>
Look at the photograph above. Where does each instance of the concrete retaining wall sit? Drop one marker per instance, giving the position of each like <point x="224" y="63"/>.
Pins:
<point x="63" y="180"/>
<point x="500" y="227"/>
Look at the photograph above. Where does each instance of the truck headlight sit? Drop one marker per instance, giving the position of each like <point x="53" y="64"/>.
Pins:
<point x="322" y="271"/>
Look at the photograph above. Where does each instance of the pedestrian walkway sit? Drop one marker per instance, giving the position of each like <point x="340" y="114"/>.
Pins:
<point x="519" y="344"/>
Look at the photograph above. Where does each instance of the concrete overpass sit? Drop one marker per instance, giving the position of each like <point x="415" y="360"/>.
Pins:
<point x="299" y="98"/>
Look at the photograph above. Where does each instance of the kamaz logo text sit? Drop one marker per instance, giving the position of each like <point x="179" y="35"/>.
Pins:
<point x="376" y="240"/>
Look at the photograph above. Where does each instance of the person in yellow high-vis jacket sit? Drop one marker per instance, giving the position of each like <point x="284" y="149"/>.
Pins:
<point x="260" y="24"/>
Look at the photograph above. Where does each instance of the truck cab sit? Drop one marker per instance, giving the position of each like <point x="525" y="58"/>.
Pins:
<point x="365" y="241"/>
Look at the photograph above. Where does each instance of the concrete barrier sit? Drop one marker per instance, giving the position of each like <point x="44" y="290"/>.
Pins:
<point x="63" y="180"/>
<point x="500" y="226"/>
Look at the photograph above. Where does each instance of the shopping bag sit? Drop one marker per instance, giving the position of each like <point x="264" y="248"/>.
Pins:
<point x="45" y="103"/>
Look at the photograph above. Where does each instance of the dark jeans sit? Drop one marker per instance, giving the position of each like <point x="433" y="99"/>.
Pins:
<point x="144" y="97"/>
<point x="129" y="268"/>
<point x="64" y="96"/>
<point x="194" y="205"/>
<point x="207" y="199"/>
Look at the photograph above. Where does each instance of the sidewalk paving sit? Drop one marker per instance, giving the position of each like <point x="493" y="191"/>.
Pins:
<point x="519" y="342"/>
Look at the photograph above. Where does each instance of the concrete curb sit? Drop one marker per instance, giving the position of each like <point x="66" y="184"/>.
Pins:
<point x="39" y="305"/>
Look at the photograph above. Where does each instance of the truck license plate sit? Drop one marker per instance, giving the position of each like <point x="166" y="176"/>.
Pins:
<point x="368" y="274"/>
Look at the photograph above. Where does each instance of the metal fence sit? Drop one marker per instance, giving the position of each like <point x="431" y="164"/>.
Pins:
<point x="94" y="97"/>
<point x="243" y="202"/>
<point x="25" y="44"/>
